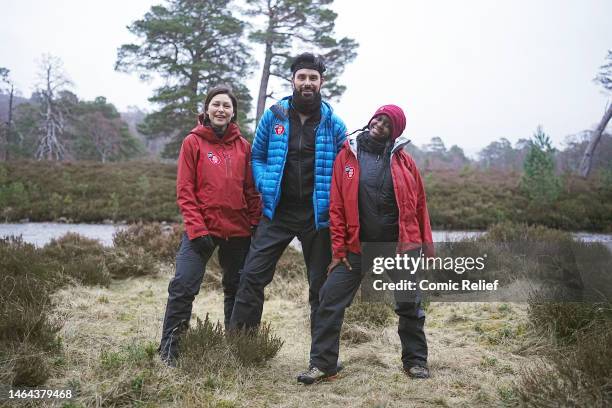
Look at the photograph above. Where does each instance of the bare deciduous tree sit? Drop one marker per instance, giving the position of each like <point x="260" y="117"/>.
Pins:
<point x="605" y="79"/>
<point x="6" y="131"/>
<point x="105" y="134"/>
<point x="52" y="81"/>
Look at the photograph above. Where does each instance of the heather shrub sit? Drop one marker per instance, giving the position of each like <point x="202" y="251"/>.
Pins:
<point x="509" y="232"/>
<point x="145" y="191"/>
<point x="19" y="258"/>
<point x="78" y="257"/>
<point x="568" y="268"/>
<point x="207" y="349"/>
<point x="25" y="310"/>
<point x="563" y="322"/>
<point x="255" y="346"/>
<point x="576" y="375"/>
<point x="28" y="334"/>
<point x="575" y="369"/>
<point x="203" y="349"/>
<point x="30" y="366"/>
<point x="160" y="240"/>
<point x="131" y="261"/>
<point x="89" y="192"/>
<point x="24" y="294"/>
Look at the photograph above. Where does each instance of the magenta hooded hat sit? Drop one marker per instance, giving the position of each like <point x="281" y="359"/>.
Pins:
<point x="397" y="117"/>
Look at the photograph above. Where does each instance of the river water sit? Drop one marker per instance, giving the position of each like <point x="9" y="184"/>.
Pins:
<point x="40" y="233"/>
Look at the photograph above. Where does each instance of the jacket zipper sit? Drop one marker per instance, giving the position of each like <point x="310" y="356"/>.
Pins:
<point x="228" y="173"/>
<point x="300" y="161"/>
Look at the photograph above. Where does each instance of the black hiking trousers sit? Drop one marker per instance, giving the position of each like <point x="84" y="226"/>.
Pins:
<point x="190" y="269"/>
<point x="337" y="294"/>
<point x="270" y="240"/>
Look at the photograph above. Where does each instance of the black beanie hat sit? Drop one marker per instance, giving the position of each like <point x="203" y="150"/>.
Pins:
<point x="307" y="60"/>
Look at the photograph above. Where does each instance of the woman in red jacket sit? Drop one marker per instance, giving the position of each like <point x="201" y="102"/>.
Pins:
<point x="377" y="195"/>
<point x="220" y="207"/>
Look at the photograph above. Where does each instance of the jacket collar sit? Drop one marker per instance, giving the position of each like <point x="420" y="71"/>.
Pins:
<point x="281" y="109"/>
<point x="399" y="143"/>
<point x="206" y="132"/>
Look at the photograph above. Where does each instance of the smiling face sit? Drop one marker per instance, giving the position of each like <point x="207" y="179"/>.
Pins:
<point x="220" y="111"/>
<point x="380" y="127"/>
<point x="307" y="82"/>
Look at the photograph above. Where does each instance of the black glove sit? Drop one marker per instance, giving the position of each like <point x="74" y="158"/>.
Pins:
<point x="203" y="244"/>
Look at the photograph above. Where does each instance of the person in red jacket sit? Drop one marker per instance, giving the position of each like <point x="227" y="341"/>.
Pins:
<point x="220" y="207"/>
<point x="377" y="196"/>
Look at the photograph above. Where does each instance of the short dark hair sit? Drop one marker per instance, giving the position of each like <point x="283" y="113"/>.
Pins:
<point x="218" y="90"/>
<point x="307" y="60"/>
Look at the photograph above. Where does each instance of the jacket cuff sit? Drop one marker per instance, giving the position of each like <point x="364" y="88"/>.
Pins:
<point x="339" y="253"/>
<point x="429" y="250"/>
<point x="196" y="231"/>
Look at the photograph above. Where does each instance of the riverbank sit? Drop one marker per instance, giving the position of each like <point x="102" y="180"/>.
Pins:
<point x="145" y="191"/>
<point x="41" y="233"/>
<point x="79" y="316"/>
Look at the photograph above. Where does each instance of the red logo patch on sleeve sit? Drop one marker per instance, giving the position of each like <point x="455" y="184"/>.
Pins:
<point x="349" y="171"/>
<point x="279" y="129"/>
<point x="214" y="159"/>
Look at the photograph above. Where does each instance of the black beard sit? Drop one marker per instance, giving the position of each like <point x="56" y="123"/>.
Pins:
<point x="306" y="106"/>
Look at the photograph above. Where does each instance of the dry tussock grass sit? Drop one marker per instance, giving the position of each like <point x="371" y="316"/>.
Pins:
<point x="110" y="333"/>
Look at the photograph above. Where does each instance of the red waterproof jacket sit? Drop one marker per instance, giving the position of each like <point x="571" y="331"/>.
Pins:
<point x="414" y="227"/>
<point x="214" y="184"/>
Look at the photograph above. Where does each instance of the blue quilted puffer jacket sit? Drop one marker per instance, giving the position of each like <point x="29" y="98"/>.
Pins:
<point x="269" y="154"/>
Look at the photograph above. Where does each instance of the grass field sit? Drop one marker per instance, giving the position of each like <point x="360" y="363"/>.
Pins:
<point x="474" y="355"/>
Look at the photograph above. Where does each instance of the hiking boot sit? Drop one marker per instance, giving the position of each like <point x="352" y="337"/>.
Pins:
<point x="169" y="347"/>
<point x="314" y="375"/>
<point x="168" y="361"/>
<point x="417" y="371"/>
<point x="169" y="355"/>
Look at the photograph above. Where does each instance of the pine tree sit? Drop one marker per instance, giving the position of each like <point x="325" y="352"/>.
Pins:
<point x="192" y="45"/>
<point x="306" y="25"/>
<point x="539" y="180"/>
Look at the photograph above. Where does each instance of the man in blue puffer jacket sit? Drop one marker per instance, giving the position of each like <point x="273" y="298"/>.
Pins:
<point x="293" y="153"/>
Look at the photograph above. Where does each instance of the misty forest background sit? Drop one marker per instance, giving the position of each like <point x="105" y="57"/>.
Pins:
<point x="65" y="157"/>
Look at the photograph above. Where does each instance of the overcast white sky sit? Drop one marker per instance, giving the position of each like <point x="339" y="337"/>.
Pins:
<point x="469" y="71"/>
